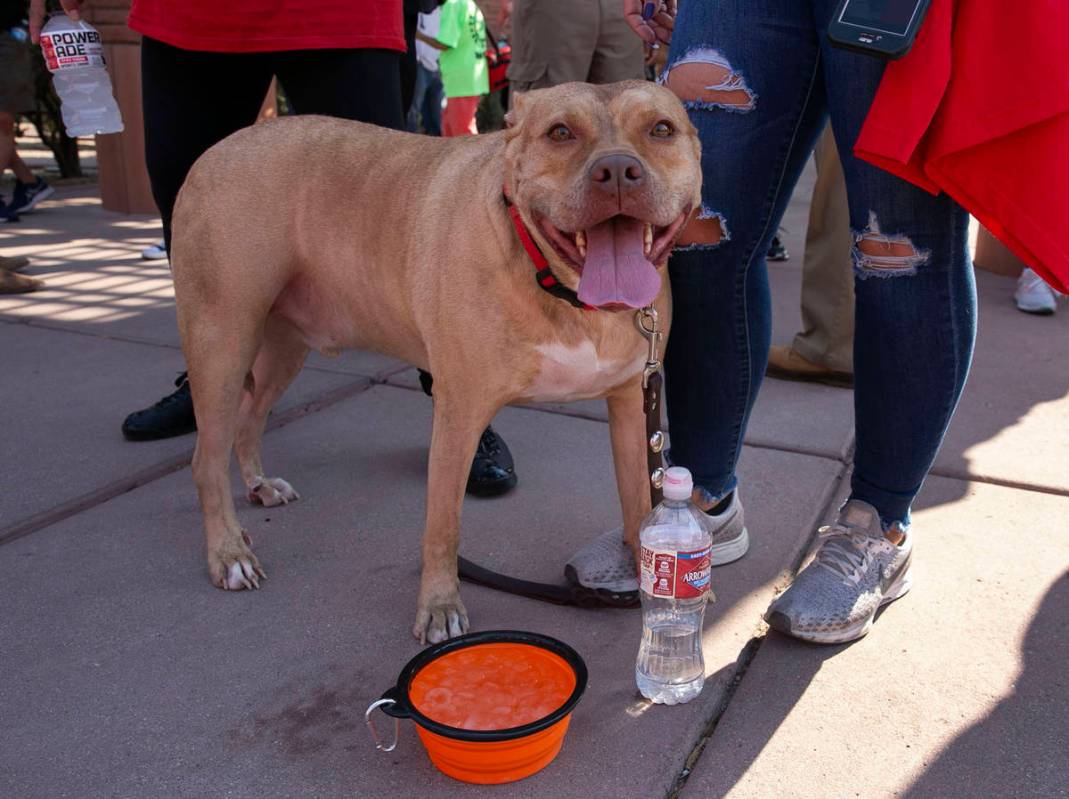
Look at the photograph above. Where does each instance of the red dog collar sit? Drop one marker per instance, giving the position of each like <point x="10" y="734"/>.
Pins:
<point x="543" y="274"/>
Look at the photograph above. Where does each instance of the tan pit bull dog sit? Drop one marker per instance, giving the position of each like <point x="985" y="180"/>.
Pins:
<point x="316" y="233"/>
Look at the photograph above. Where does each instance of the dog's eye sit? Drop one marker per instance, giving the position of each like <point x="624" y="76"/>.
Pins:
<point x="560" y="133"/>
<point x="662" y="130"/>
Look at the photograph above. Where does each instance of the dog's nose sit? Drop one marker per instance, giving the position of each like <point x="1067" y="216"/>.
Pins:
<point x="618" y="172"/>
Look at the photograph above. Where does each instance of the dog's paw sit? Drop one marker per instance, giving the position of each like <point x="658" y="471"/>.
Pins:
<point x="437" y="621"/>
<point x="234" y="567"/>
<point x="271" y="491"/>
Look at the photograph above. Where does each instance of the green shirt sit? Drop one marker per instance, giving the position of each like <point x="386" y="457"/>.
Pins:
<point x="463" y="65"/>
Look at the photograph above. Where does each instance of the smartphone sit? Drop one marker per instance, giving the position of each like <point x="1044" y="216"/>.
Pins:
<point x="881" y="28"/>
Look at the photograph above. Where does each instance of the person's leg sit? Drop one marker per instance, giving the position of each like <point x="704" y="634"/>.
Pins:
<point x="751" y="80"/>
<point x="18" y="166"/>
<point x="408" y="63"/>
<point x="914" y="282"/>
<point x="619" y="53"/>
<point x="9" y="156"/>
<point x="16" y="96"/>
<point x="827" y="335"/>
<point x="915" y="323"/>
<point x="823" y="351"/>
<point x="7" y="139"/>
<point x="432" y="105"/>
<point x="363" y="85"/>
<point x="191" y="100"/>
<point x="28" y="189"/>
<point x="414" y="116"/>
<point x="458" y="119"/>
<point x="553" y="42"/>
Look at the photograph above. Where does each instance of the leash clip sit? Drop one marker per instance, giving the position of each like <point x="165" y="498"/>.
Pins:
<point x="646" y="321"/>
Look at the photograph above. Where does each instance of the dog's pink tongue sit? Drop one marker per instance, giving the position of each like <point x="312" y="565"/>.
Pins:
<point x="616" y="270"/>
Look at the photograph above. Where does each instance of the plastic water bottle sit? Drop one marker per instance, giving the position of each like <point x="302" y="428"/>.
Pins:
<point x="75" y="56"/>
<point x="675" y="542"/>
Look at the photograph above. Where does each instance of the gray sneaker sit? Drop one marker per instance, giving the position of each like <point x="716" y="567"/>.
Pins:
<point x="605" y="564"/>
<point x="855" y="571"/>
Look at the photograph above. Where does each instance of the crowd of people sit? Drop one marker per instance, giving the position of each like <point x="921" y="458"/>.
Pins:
<point x="893" y="315"/>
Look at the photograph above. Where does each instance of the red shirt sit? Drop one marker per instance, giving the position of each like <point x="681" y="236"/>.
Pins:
<point x="980" y="109"/>
<point x="252" y="26"/>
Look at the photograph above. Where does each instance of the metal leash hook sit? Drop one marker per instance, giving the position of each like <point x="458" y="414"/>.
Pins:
<point x="375" y="733"/>
<point x="646" y="322"/>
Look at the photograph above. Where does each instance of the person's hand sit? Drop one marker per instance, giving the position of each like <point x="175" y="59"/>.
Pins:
<point x="37" y="15"/>
<point x="656" y="30"/>
<point x="504" y="15"/>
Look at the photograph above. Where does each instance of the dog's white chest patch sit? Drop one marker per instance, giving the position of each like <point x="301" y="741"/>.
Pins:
<point x="574" y="373"/>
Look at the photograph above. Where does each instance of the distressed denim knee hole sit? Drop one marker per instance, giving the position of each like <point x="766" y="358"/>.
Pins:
<point x="878" y="254"/>
<point x="707" y="231"/>
<point x="703" y="78"/>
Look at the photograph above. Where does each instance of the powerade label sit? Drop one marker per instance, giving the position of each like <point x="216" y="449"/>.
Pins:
<point x="72" y="49"/>
<point x="675" y="575"/>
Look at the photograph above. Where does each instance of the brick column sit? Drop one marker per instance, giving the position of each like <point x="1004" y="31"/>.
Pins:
<point x="124" y="185"/>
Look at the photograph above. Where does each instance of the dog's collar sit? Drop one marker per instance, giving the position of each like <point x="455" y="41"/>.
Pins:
<point x="544" y="276"/>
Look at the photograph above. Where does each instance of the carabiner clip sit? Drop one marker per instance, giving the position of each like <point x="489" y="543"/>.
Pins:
<point x="653" y="339"/>
<point x="375" y="733"/>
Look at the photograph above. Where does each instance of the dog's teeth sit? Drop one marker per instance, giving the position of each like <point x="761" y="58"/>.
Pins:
<point x="580" y="242"/>
<point x="647" y="239"/>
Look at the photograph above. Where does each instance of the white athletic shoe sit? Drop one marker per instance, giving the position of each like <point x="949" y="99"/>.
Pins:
<point x="157" y="252"/>
<point x="1033" y="295"/>
<point x="855" y="572"/>
<point x="605" y="564"/>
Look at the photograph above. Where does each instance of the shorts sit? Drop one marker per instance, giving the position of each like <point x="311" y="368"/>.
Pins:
<point x="557" y="41"/>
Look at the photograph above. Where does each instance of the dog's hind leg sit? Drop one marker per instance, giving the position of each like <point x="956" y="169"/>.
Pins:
<point x="459" y="418"/>
<point x="219" y="354"/>
<point x="280" y="358"/>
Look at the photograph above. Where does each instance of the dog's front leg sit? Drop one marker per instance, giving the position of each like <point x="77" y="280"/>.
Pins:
<point x="627" y="429"/>
<point x="458" y="421"/>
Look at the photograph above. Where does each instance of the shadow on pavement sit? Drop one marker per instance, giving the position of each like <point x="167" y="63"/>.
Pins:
<point x="1019" y="749"/>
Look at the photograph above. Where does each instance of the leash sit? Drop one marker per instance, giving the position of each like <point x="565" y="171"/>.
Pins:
<point x="652" y="382"/>
<point x="647" y="322"/>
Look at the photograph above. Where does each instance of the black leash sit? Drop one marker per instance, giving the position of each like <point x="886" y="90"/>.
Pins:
<point x="567" y="594"/>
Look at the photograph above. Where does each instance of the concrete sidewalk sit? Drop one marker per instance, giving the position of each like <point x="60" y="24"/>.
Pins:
<point x="127" y="674"/>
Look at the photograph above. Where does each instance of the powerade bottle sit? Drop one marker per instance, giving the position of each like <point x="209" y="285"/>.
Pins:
<point x="674" y="580"/>
<point x="75" y="56"/>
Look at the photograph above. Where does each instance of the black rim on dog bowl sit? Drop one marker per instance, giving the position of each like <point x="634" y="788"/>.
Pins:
<point x="396" y="701"/>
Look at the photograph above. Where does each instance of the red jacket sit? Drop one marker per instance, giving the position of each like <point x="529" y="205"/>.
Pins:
<point x="251" y="26"/>
<point x="979" y="109"/>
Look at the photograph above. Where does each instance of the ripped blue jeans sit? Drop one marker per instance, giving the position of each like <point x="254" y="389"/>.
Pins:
<point x="759" y="80"/>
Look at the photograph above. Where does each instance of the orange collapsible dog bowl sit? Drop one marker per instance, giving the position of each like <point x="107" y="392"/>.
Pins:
<point x="490" y="707"/>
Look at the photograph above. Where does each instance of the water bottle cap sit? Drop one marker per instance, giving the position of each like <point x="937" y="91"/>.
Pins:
<point x="678" y="484"/>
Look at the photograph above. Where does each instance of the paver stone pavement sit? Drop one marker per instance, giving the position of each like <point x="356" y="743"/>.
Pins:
<point x="126" y="673"/>
<point x="960" y="690"/>
<point x="1010" y="424"/>
<point x="64" y="397"/>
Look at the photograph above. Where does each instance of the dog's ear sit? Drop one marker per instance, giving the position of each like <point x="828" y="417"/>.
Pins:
<point x="515" y="114"/>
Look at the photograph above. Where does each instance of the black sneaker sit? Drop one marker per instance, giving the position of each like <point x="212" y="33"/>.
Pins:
<point x="777" y="251"/>
<point x="171" y="416"/>
<point x="7" y="213"/>
<point x="492" y="471"/>
<point x="27" y="195"/>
